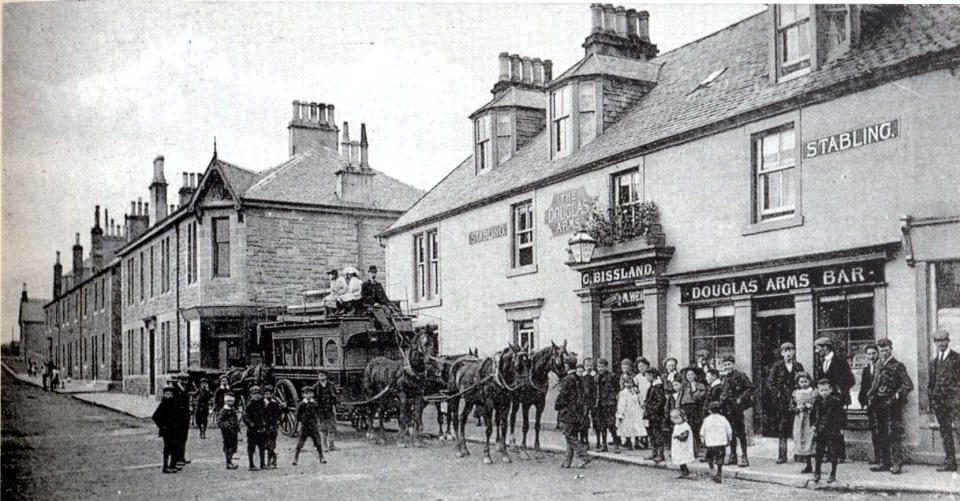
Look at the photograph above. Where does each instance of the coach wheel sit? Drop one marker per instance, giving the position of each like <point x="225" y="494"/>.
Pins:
<point x="286" y="394"/>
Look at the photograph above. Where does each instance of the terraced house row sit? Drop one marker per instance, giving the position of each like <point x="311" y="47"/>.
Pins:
<point x="789" y="177"/>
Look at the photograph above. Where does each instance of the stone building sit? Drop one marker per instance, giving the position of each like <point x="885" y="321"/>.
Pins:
<point x="241" y="244"/>
<point x="789" y="177"/>
<point x="82" y="321"/>
<point x="33" y="339"/>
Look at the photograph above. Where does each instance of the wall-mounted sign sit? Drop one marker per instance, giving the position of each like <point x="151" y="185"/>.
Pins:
<point x="490" y="233"/>
<point x="783" y="281"/>
<point x="852" y="139"/>
<point x="620" y="299"/>
<point x="618" y="273"/>
<point x="570" y="211"/>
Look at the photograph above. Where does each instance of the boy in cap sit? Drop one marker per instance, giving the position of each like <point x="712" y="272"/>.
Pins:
<point x="255" y="418"/>
<point x="326" y="396"/>
<point x="272" y="412"/>
<point x="736" y="396"/>
<point x="166" y="419"/>
<point x="229" y="425"/>
<point x="836" y="369"/>
<point x="201" y="407"/>
<point x="309" y="425"/>
<point x="605" y="415"/>
<point x="827" y="416"/>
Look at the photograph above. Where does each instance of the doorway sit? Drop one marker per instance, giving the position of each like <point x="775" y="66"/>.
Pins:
<point x="153" y="362"/>
<point x="627" y="336"/>
<point x="773" y="325"/>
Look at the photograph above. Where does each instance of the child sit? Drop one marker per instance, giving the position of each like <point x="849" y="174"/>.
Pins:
<point x="681" y="448"/>
<point x="229" y="427"/>
<point x="670" y="374"/>
<point x="643" y="386"/>
<point x="605" y="412"/>
<point x="254" y="417"/>
<point x="630" y="415"/>
<point x="715" y="434"/>
<point x="827" y="417"/>
<point x="326" y="396"/>
<point x="201" y="407"/>
<point x="272" y="414"/>
<point x="690" y="401"/>
<point x="166" y="419"/>
<point x="589" y="384"/>
<point x="803" y="398"/>
<point x="653" y="412"/>
<point x="309" y="424"/>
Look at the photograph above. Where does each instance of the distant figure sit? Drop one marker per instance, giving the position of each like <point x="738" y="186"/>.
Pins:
<point x="46" y="376"/>
<point x="837" y="370"/>
<point x="780" y="384"/>
<point x="350" y="300"/>
<point x="376" y="300"/>
<point x="166" y="419"/>
<point x="327" y="398"/>
<point x="887" y="398"/>
<point x="570" y="414"/>
<point x="273" y="412"/>
<point x="654" y="411"/>
<point x="803" y="398"/>
<point x="681" y="444"/>
<point x="338" y="287"/>
<point x="827" y="417"/>
<point x="309" y="425"/>
<point x="255" y="418"/>
<point x="202" y="400"/>
<point x="736" y="397"/>
<point x="55" y="382"/>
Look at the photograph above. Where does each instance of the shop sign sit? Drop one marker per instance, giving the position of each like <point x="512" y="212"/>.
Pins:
<point x="617" y="273"/>
<point x="852" y="139"/>
<point x="490" y="233"/>
<point x="769" y="283"/>
<point x="570" y="211"/>
<point x="625" y="298"/>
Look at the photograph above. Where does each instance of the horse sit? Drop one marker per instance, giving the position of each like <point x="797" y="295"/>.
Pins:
<point x="486" y="383"/>
<point x="403" y="380"/>
<point x="532" y="390"/>
<point x="442" y="370"/>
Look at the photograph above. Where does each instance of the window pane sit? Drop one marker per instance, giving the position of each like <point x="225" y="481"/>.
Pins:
<point x="724" y="348"/>
<point x="723" y="311"/>
<point x="861" y="312"/>
<point x="308" y="359"/>
<point x="703" y="328"/>
<point x="525" y="256"/>
<point x="588" y="96"/>
<point x="588" y="127"/>
<point x="701" y="313"/>
<point x="947" y="285"/>
<point x="503" y="124"/>
<point x="831" y="314"/>
<point x="504" y="149"/>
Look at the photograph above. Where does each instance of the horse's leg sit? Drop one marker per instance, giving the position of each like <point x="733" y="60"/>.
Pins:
<point x="503" y="411"/>
<point x="461" y="430"/>
<point x="537" y="453"/>
<point x="488" y="420"/>
<point x="440" y="434"/>
<point x="526" y="428"/>
<point x="381" y="436"/>
<point x="403" y="421"/>
<point x="514" y="407"/>
<point x="368" y="417"/>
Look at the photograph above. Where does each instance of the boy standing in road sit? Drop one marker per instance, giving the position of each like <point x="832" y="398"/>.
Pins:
<point x="570" y="413"/>
<point x="201" y="407"/>
<point x="255" y="417"/>
<point x="229" y="427"/>
<point x="166" y="419"/>
<point x="827" y="417"/>
<point x="715" y="434"/>
<point x="608" y="388"/>
<point x="309" y="424"/>
<point x="272" y="415"/>
<point x="326" y="396"/>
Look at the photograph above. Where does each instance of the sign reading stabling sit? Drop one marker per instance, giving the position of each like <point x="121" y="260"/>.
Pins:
<point x="570" y="211"/>
<point x="852" y="139"/>
<point x="783" y="281"/>
<point x="490" y="233"/>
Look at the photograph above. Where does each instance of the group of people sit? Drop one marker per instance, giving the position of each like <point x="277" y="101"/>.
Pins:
<point x="316" y="418"/>
<point x="50" y="375"/>
<point x="348" y="294"/>
<point x="699" y="411"/>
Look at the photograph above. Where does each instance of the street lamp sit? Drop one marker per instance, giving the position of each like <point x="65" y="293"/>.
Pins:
<point x="581" y="246"/>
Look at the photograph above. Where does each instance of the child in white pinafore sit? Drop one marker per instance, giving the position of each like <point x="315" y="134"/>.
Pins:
<point x="803" y="398"/>
<point x="630" y="415"/>
<point x="681" y="445"/>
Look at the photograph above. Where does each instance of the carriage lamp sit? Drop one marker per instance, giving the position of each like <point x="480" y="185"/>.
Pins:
<point x="582" y="246"/>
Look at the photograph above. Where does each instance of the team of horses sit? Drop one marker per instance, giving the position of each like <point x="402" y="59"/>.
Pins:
<point x="509" y="381"/>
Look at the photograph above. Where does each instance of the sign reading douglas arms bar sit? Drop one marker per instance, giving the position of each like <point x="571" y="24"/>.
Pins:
<point x="852" y="139"/>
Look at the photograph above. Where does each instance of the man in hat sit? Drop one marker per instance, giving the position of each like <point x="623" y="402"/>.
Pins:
<point x="944" y="390"/>
<point x="259" y="373"/>
<point x="570" y="408"/>
<point x="181" y="399"/>
<point x="350" y="300"/>
<point x="326" y="395"/>
<point x="887" y="397"/>
<point x="835" y="368"/>
<point x="866" y="382"/>
<point x="780" y="384"/>
<point x="736" y="397"/>
<point x="375" y="299"/>
<point x="338" y="287"/>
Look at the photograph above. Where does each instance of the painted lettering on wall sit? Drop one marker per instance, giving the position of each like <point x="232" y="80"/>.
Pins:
<point x="769" y="283"/>
<point x="490" y="233"/>
<point x="852" y="139"/>
<point x="629" y="271"/>
<point x="570" y="211"/>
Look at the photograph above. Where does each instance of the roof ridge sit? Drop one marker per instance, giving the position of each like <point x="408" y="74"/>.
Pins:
<point x="235" y="166"/>
<point x="270" y="174"/>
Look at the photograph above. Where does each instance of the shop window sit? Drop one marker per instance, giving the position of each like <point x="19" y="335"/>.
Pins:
<point x="848" y="320"/>
<point x="426" y="252"/>
<point x="524" y="335"/>
<point x="713" y="331"/>
<point x="221" y="247"/>
<point x="794" y="40"/>
<point x="775" y="179"/>
<point x="945" y="300"/>
<point x="331" y="352"/>
<point x="523" y="241"/>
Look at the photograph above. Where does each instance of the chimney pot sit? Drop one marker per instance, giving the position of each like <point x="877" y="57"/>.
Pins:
<point x="609" y="18"/>
<point x="504" y="59"/>
<point x="547" y="71"/>
<point x="146" y="208"/>
<point x="296" y="110"/>
<point x="643" y="25"/>
<point x="364" y="159"/>
<point x="354" y="153"/>
<point x="133" y="208"/>
<point x="78" y="239"/>
<point x="58" y="257"/>
<point x="537" y="72"/>
<point x="330" y="117"/>
<point x="106" y="217"/>
<point x="322" y="113"/>
<point x="194" y="177"/>
<point x="596" y="18"/>
<point x="314" y="113"/>
<point x="631" y="22"/>
<point x="621" y="15"/>
<point x="527" y="65"/>
<point x="515" y="68"/>
<point x="96" y="216"/>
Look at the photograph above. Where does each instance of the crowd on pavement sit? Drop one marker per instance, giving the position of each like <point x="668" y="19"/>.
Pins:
<point x="698" y="412"/>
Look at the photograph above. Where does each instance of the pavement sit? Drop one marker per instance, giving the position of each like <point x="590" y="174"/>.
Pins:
<point x="851" y="477"/>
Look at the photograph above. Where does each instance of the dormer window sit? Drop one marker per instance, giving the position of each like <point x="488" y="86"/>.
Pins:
<point x="494" y="139"/>
<point x="573" y="117"/>
<point x="504" y="136"/>
<point x="793" y="39"/>
<point x="483" y="143"/>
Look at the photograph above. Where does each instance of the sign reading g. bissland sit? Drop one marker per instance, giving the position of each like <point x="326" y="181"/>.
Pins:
<point x="853" y="139"/>
<point x="617" y="273"/>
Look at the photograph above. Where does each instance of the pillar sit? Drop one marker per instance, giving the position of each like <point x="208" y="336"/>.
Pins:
<point x="686" y="356"/>
<point x="743" y="346"/>
<point x="654" y="321"/>
<point x="803" y="327"/>
<point x="589" y="322"/>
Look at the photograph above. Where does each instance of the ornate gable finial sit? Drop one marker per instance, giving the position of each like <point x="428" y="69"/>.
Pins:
<point x="214" y="147"/>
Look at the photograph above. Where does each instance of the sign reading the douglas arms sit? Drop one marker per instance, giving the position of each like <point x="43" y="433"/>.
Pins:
<point x="852" y="139"/>
<point x="570" y="211"/>
<point x="783" y="281"/>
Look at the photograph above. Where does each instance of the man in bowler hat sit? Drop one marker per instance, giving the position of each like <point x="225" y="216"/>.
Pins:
<point x="887" y="397"/>
<point x="944" y="390"/>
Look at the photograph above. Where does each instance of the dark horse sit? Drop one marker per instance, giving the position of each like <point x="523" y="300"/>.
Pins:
<point x="486" y="383"/>
<point x="402" y="380"/>
<point x="442" y="369"/>
<point x="533" y="383"/>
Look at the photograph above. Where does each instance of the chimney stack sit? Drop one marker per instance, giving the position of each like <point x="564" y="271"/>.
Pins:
<point x="96" y="242"/>
<point x="619" y="32"/>
<point x="312" y="127"/>
<point x="516" y="73"/>
<point x="596" y="18"/>
<point x="23" y="295"/>
<point x="158" y="191"/>
<point x="77" y="261"/>
<point x="188" y="188"/>
<point x="137" y="222"/>
<point x="547" y="71"/>
<point x="345" y="143"/>
<point x="57" y="278"/>
<point x="527" y="68"/>
<point x="504" y="67"/>
<point x="364" y="158"/>
<point x="521" y="72"/>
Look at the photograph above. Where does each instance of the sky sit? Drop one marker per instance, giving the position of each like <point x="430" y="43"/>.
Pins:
<point x="92" y="92"/>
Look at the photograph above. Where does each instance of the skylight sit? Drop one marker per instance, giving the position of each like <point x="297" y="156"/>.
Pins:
<point x="710" y="79"/>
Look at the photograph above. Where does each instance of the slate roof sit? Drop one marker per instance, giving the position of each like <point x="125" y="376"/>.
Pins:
<point x="31" y="311"/>
<point x="523" y="98"/>
<point x="310" y="178"/>
<point x="602" y="64"/>
<point x="671" y="110"/>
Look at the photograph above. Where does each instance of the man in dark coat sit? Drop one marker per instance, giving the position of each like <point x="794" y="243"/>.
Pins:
<point x="780" y="384"/>
<point x="166" y="419"/>
<point x="608" y="387"/>
<point x="835" y="368"/>
<point x="866" y="381"/>
<point x="326" y="395"/>
<point x="181" y="395"/>
<point x="944" y="391"/>
<point x="570" y="414"/>
<point x="736" y="397"/>
<point x="589" y="380"/>
<point x="375" y="299"/>
<point x="887" y="397"/>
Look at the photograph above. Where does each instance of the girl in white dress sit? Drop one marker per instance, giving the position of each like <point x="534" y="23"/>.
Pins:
<point x="803" y="398"/>
<point x="681" y="446"/>
<point x="630" y="415"/>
